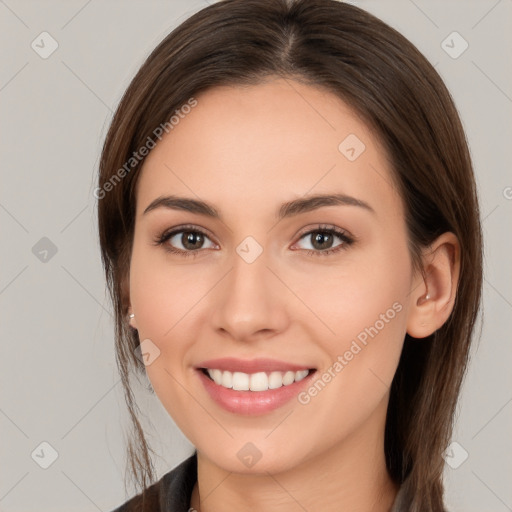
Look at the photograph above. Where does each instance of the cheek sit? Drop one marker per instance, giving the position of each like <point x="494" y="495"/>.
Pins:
<point x="377" y="316"/>
<point x="162" y="293"/>
<point x="364" y="304"/>
<point x="363" y="290"/>
<point x="166" y="298"/>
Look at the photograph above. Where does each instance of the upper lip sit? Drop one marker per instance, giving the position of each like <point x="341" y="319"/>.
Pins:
<point x="233" y="364"/>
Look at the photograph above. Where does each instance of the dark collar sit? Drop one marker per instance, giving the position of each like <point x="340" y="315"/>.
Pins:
<point x="177" y="486"/>
<point x="171" y="493"/>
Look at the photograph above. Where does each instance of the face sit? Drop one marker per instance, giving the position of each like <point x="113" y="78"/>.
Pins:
<point x="267" y="287"/>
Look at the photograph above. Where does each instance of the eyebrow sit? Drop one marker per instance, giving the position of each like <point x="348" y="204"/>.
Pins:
<point x="289" y="209"/>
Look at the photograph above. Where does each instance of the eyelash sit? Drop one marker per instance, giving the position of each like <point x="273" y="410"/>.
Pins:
<point x="346" y="240"/>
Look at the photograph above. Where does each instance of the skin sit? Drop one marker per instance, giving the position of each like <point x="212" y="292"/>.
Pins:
<point x="247" y="150"/>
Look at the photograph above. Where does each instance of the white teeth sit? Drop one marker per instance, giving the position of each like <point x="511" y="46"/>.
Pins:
<point x="275" y="380"/>
<point x="301" y="374"/>
<point x="288" y="378"/>
<point x="227" y="379"/>
<point x="260" y="381"/>
<point x="240" y="381"/>
<point x="216" y="375"/>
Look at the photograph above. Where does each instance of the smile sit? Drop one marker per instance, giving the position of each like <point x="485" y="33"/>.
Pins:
<point x="260" y="381"/>
<point x="252" y="387"/>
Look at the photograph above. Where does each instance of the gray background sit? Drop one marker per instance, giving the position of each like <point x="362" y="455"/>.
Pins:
<point x="59" y="382"/>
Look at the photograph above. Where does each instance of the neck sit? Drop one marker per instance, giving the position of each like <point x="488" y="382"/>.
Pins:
<point x="350" y="476"/>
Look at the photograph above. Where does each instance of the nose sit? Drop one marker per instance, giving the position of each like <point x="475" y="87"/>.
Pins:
<point x="251" y="302"/>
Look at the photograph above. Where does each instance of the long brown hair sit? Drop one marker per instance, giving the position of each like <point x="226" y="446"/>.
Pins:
<point x="380" y="74"/>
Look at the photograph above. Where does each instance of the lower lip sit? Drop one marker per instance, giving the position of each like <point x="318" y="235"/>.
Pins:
<point x="251" y="403"/>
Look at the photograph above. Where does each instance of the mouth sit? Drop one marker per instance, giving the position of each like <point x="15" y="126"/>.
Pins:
<point x="257" y="382"/>
<point x="252" y="387"/>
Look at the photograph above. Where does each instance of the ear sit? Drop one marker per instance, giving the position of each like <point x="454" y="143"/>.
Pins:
<point x="433" y="293"/>
<point x="125" y="300"/>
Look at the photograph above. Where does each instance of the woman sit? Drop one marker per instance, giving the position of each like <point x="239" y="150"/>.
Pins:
<point x="288" y="221"/>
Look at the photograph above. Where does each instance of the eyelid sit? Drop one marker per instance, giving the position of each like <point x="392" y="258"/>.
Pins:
<point x="163" y="238"/>
<point x="187" y="227"/>
<point x="346" y="237"/>
<point x="324" y="227"/>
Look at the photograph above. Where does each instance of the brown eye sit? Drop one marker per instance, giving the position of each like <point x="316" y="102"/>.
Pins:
<point x="322" y="241"/>
<point x="185" y="241"/>
<point x="192" y="240"/>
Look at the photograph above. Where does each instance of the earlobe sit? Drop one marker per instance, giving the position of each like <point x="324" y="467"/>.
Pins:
<point x="125" y="295"/>
<point x="433" y="295"/>
<point x="131" y="318"/>
<point x="424" y="299"/>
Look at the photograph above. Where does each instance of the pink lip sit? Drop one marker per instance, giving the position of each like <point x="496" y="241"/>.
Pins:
<point x="232" y="364"/>
<point x="251" y="403"/>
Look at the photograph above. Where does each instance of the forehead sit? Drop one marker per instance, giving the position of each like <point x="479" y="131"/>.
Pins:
<point x="264" y="144"/>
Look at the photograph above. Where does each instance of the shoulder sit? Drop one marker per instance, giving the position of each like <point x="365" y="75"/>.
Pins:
<point x="151" y="501"/>
<point x="171" y="493"/>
